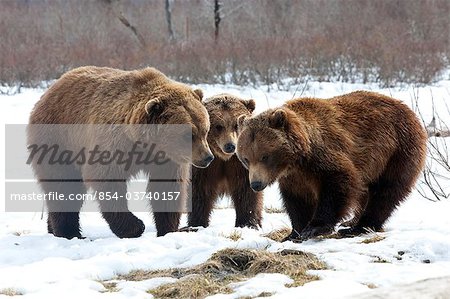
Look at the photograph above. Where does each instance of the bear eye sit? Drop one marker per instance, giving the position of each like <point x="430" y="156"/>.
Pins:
<point x="219" y="128"/>
<point x="235" y="127"/>
<point x="264" y="158"/>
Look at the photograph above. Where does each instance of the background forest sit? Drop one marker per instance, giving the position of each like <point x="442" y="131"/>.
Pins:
<point x="249" y="42"/>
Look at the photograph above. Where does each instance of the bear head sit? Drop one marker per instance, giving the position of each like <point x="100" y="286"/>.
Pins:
<point x="169" y="103"/>
<point x="270" y="144"/>
<point x="224" y="111"/>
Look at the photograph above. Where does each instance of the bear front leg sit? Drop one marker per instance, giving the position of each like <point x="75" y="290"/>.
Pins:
<point x="166" y="222"/>
<point x="299" y="207"/>
<point x="168" y="181"/>
<point x="204" y="194"/>
<point x="339" y="190"/>
<point x="115" y="211"/>
<point x="248" y="206"/>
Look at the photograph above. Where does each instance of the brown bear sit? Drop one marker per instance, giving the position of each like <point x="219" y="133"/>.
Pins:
<point x="225" y="175"/>
<point x="359" y="153"/>
<point x="100" y="95"/>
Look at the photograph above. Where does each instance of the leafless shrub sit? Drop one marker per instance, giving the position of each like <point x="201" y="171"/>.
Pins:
<point x="435" y="181"/>
<point x="260" y="41"/>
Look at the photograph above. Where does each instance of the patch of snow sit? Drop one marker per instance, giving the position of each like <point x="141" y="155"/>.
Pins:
<point x="416" y="244"/>
<point x="261" y="283"/>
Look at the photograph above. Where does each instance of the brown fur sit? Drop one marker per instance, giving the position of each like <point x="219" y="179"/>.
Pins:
<point x="225" y="175"/>
<point x="96" y="95"/>
<point x="360" y="152"/>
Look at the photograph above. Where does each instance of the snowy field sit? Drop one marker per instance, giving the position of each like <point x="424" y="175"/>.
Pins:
<point x="416" y="242"/>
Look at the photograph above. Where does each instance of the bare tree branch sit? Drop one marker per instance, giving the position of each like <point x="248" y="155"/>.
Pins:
<point x="436" y="175"/>
<point x="217" y="19"/>
<point x="168" y="8"/>
<point x="120" y="16"/>
<point x="433" y="131"/>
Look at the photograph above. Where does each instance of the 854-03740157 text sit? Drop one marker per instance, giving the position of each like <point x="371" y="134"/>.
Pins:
<point x="96" y="195"/>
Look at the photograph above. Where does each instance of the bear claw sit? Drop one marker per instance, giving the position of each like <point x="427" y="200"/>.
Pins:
<point x="315" y="231"/>
<point x="308" y="232"/>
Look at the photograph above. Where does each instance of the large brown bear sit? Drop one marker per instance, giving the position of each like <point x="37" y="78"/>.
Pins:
<point x="97" y="95"/>
<point x="358" y="153"/>
<point x="225" y="175"/>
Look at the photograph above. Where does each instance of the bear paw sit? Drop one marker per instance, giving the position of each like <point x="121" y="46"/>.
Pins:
<point x="309" y="232"/>
<point x="133" y="227"/>
<point x="68" y="236"/>
<point x="315" y="231"/>
<point x="294" y="236"/>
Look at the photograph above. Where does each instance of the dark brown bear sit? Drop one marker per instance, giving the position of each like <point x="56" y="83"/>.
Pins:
<point x="225" y="175"/>
<point x="95" y="95"/>
<point x="359" y="153"/>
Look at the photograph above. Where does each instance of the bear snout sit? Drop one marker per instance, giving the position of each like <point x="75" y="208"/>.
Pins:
<point x="257" y="186"/>
<point x="229" y="148"/>
<point x="205" y="162"/>
<point x="208" y="159"/>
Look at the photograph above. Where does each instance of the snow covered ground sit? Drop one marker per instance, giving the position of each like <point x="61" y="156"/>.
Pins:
<point x="416" y="243"/>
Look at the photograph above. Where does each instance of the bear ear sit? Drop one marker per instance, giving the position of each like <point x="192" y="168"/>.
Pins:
<point x="241" y="121"/>
<point x="278" y="119"/>
<point x="249" y="104"/>
<point x="153" y="106"/>
<point x="199" y="93"/>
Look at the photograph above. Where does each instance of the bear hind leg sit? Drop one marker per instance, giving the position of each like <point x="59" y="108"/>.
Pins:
<point x="359" y="209"/>
<point x="386" y="194"/>
<point x="63" y="218"/>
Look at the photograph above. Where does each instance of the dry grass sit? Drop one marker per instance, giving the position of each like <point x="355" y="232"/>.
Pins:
<point x="378" y="259"/>
<point x="227" y="266"/>
<point x="21" y="233"/>
<point x="223" y="206"/>
<point x="10" y="292"/>
<point x="234" y="235"/>
<point x="192" y="286"/>
<point x="370" y="285"/>
<point x="279" y="234"/>
<point x="273" y="210"/>
<point x="375" y="238"/>
<point x="265" y="294"/>
<point x="110" y="287"/>
<point x="334" y="235"/>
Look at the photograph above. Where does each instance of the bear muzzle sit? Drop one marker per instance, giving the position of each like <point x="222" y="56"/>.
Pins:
<point x="205" y="162"/>
<point x="257" y="186"/>
<point x="229" y="148"/>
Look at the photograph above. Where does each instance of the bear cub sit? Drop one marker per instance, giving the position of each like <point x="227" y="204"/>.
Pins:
<point x="357" y="154"/>
<point x="225" y="175"/>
